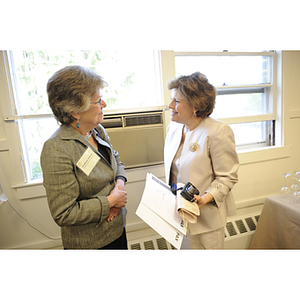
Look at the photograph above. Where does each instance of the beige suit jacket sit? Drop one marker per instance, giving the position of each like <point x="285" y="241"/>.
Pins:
<point x="212" y="168"/>
<point x="78" y="203"/>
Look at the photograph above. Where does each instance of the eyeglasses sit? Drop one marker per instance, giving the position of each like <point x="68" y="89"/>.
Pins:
<point x="98" y="102"/>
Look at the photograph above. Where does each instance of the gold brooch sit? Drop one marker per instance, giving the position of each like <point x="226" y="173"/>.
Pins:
<point x="193" y="147"/>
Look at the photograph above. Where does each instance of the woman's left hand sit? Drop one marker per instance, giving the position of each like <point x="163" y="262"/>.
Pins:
<point x="204" y="199"/>
<point x="113" y="213"/>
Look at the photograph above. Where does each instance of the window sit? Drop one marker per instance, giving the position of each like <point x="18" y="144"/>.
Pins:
<point x="132" y="77"/>
<point x="245" y="91"/>
<point x="246" y="100"/>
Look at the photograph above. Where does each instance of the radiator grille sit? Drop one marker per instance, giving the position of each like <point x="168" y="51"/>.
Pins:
<point x="230" y="228"/>
<point x="136" y="246"/>
<point x="241" y="226"/>
<point x="162" y="244"/>
<point x="250" y="224"/>
<point x="151" y="243"/>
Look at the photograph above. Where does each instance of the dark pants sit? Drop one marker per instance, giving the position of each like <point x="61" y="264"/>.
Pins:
<point x="118" y="244"/>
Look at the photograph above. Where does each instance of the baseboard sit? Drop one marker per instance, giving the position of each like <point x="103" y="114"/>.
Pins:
<point x="46" y="245"/>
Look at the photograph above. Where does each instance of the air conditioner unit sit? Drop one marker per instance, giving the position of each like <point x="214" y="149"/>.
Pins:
<point x="137" y="136"/>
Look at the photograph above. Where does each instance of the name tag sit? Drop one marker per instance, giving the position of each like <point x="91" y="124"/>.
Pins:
<point x="87" y="161"/>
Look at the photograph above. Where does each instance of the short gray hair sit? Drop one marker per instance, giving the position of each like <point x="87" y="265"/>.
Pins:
<point x="70" y="90"/>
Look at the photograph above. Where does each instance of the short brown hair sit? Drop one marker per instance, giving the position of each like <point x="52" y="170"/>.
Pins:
<point x="197" y="91"/>
<point x="70" y="90"/>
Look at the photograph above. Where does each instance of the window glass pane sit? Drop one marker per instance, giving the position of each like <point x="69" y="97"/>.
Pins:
<point x="128" y="74"/>
<point x="240" y="105"/>
<point x="251" y="133"/>
<point x="35" y="133"/>
<point x="227" y="70"/>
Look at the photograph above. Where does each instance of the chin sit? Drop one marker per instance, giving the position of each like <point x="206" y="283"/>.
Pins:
<point x="174" y="118"/>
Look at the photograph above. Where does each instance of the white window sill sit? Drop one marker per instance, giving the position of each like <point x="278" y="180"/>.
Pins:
<point x="263" y="154"/>
<point x="33" y="189"/>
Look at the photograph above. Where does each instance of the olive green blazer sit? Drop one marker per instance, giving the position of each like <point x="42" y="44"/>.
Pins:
<point x="78" y="203"/>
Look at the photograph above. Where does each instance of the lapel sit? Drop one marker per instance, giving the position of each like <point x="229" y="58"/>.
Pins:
<point x="67" y="132"/>
<point x="171" y="146"/>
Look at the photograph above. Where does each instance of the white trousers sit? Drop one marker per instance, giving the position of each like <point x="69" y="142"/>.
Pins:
<point x="208" y="240"/>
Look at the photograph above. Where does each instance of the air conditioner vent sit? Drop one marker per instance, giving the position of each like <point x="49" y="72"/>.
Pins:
<point x="111" y="122"/>
<point x="138" y="120"/>
<point x="256" y="218"/>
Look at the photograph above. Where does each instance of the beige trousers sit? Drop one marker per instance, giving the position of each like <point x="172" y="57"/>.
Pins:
<point x="209" y="240"/>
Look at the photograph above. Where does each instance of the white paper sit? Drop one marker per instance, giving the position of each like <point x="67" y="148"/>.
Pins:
<point x="159" y="198"/>
<point x="162" y="227"/>
<point x="158" y="209"/>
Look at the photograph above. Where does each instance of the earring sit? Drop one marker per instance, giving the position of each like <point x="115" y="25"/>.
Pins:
<point x="77" y="123"/>
<point x="195" y="113"/>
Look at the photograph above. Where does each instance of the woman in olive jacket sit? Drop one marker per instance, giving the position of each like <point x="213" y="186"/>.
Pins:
<point x="83" y="175"/>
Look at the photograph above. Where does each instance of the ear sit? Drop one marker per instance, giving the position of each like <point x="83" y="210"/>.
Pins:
<point x="75" y="115"/>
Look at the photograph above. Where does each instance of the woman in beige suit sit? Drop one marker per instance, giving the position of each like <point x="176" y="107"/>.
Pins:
<point x="201" y="150"/>
<point x="83" y="175"/>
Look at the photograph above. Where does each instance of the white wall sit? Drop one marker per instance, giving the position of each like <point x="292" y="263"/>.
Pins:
<point x="258" y="175"/>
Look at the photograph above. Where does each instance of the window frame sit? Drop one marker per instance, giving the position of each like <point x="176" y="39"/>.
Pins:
<point x="269" y="90"/>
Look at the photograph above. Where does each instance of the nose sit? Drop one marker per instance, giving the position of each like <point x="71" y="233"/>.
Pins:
<point x="103" y="104"/>
<point x="171" y="103"/>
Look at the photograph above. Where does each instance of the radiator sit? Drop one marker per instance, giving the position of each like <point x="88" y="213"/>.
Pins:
<point x="238" y="234"/>
<point x="150" y="243"/>
<point x="239" y="231"/>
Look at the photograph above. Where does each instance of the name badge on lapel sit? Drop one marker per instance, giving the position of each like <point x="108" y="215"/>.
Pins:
<point x="87" y="161"/>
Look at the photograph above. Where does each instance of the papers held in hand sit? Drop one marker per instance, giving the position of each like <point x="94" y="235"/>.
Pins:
<point x="187" y="210"/>
<point x="158" y="209"/>
<point x="164" y="211"/>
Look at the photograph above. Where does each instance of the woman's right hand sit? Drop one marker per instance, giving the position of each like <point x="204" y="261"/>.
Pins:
<point x="117" y="198"/>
